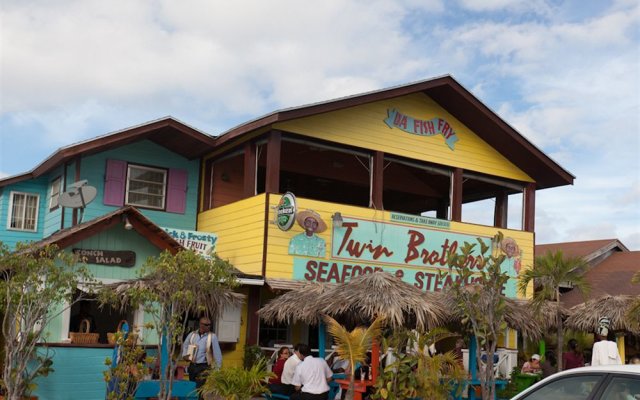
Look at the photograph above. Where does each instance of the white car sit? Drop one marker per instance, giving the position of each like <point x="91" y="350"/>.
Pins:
<point x="611" y="382"/>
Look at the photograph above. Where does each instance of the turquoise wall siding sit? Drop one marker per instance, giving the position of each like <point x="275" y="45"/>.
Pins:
<point x="150" y="154"/>
<point x="35" y="186"/>
<point x="78" y="374"/>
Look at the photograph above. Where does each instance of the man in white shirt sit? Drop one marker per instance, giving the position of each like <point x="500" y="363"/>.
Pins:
<point x="289" y="370"/>
<point x="202" y="349"/>
<point x="311" y="377"/>
<point x="605" y="352"/>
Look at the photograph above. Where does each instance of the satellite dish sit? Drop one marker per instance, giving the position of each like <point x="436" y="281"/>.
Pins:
<point x="78" y="197"/>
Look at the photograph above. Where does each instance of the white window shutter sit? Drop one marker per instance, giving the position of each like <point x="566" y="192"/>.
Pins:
<point x="229" y="324"/>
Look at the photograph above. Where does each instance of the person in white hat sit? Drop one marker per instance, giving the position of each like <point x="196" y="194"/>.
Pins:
<point x="308" y="243"/>
<point x="532" y="366"/>
<point x="605" y="352"/>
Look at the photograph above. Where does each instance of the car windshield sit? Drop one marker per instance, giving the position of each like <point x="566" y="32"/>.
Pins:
<point x="566" y="388"/>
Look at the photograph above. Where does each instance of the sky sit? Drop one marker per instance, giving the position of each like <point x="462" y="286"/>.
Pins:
<point x="565" y="74"/>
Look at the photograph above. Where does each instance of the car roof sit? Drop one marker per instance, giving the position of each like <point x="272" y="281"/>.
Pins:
<point x="634" y="369"/>
<point x="607" y="369"/>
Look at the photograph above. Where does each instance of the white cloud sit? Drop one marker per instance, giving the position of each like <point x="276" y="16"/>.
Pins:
<point x="563" y="74"/>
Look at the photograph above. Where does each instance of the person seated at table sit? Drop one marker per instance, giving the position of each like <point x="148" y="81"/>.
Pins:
<point x="532" y="366"/>
<point x="312" y="376"/>
<point x="275" y="383"/>
<point x="289" y="370"/>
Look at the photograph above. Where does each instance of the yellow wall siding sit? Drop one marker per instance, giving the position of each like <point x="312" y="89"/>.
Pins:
<point x="240" y="230"/>
<point x="234" y="358"/>
<point x="280" y="263"/>
<point x="363" y="126"/>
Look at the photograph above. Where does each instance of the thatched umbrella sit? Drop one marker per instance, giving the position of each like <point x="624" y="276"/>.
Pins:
<point x="546" y="313"/>
<point x="300" y="305"/>
<point x="213" y="301"/>
<point x="367" y="296"/>
<point x="585" y="316"/>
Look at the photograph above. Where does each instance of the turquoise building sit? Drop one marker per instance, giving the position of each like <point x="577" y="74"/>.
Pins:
<point x="145" y="179"/>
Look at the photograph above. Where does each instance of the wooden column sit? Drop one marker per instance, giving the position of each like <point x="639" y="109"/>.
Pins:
<point x="500" y="210"/>
<point x="253" y="322"/>
<point x="377" y="181"/>
<point x="456" y="195"/>
<point x="250" y="162"/>
<point x="207" y="202"/>
<point x="529" y="212"/>
<point x="274" y="144"/>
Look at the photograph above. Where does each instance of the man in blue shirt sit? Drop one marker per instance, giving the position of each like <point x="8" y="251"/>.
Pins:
<point x="202" y="349"/>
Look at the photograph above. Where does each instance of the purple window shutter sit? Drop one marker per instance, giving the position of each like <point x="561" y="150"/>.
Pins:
<point x="177" y="191"/>
<point x="114" y="183"/>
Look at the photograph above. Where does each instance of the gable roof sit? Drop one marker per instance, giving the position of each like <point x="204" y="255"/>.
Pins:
<point x="587" y="250"/>
<point x="610" y="277"/>
<point x="141" y="224"/>
<point x="458" y="101"/>
<point x="167" y="132"/>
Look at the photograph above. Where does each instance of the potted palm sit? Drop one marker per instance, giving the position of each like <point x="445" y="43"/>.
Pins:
<point x="237" y="383"/>
<point x="353" y="345"/>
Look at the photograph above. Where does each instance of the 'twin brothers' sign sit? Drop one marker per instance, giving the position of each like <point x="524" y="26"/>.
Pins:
<point x="432" y="127"/>
<point x="413" y="253"/>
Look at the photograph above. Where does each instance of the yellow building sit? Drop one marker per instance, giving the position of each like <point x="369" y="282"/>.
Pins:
<point x="396" y="178"/>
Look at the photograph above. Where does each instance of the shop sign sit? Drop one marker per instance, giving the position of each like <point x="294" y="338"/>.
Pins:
<point x="286" y="211"/>
<point x="420" y="220"/>
<point x="417" y="254"/>
<point x="203" y="243"/>
<point x="123" y="258"/>
<point x="414" y="126"/>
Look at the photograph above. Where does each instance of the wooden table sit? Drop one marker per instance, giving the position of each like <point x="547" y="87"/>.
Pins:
<point x="359" y="386"/>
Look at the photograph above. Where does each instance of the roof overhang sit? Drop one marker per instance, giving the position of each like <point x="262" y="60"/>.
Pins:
<point x="453" y="97"/>
<point x="167" y="132"/>
<point x="141" y="224"/>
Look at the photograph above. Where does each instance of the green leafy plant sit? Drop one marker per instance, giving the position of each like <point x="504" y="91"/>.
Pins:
<point x="38" y="284"/>
<point x="353" y="345"/>
<point x="123" y="378"/>
<point x="237" y="383"/>
<point x="416" y="373"/>
<point x="169" y="287"/>
<point x="252" y="354"/>
<point x="548" y="273"/>
<point x="481" y="302"/>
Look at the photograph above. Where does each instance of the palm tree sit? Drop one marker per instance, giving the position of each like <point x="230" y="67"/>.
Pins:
<point x="549" y="273"/>
<point x="353" y="346"/>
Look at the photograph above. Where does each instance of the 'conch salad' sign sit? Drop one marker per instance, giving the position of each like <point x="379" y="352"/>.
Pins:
<point x="203" y="243"/>
<point x="420" y="127"/>
<point x="413" y="253"/>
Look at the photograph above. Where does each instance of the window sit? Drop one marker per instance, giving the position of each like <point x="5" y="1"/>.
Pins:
<point x="23" y="211"/>
<point x="146" y="186"/>
<point x="54" y="193"/>
<point x="566" y="388"/>
<point x="622" y="387"/>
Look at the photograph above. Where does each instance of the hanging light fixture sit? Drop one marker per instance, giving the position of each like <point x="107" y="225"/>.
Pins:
<point x="337" y="219"/>
<point x="127" y="224"/>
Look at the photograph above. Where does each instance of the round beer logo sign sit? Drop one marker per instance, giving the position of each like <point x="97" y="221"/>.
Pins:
<point x="286" y="211"/>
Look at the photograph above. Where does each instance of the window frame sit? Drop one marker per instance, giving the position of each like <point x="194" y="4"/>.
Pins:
<point x="165" y="183"/>
<point x="12" y="194"/>
<point x="51" y="195"/>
